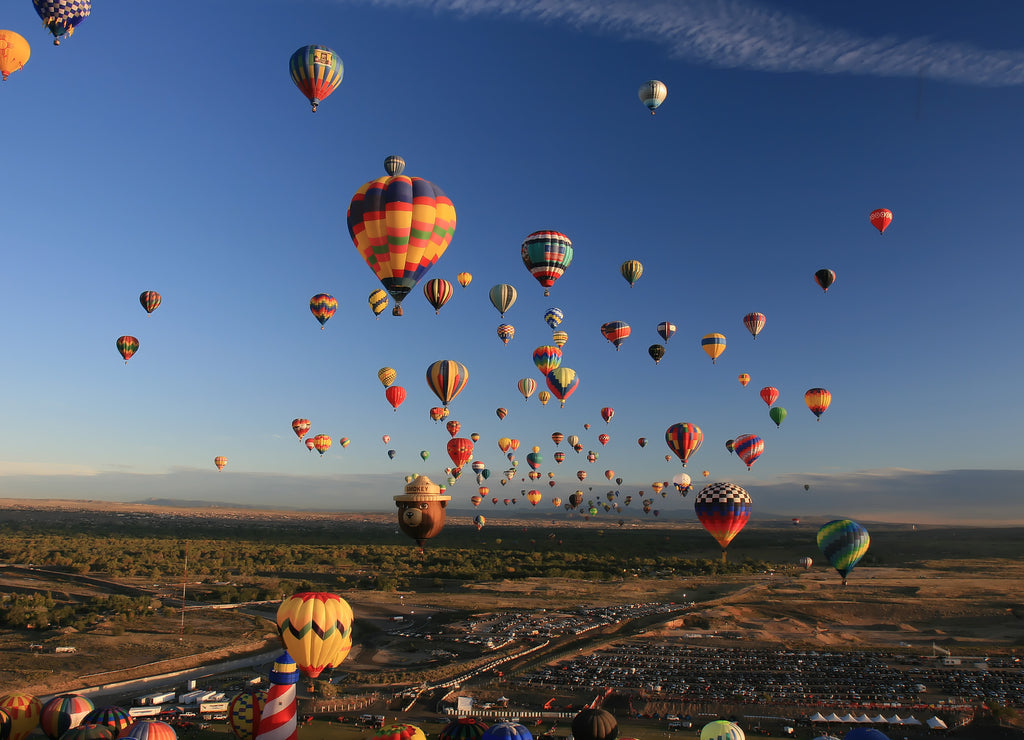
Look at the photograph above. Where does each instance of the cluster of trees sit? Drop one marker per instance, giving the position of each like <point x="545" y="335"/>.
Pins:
<point x="43" y="611"/>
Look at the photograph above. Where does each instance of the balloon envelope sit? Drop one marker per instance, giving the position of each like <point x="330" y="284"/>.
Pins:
<point x="843" y="542"/>
<point x="316" y="71"/>
<point x="547" y="254"/>
<point x="316" y="630"/>
<point x="723" y="508"/>
<point x="652" y="94"/>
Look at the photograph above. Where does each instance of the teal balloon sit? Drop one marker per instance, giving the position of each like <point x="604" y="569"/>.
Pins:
<point x="843" y="542"/>
<point x="777" y="414"/>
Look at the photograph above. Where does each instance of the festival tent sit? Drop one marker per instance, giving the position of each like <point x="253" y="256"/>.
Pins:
<point x="878" y="719"/>
<point x="910" y="721"/>
<point x="936" y="724"/>
<point x="847" y="719"/>
<point x="862" y="719"/>
<point x="833" y="718"/>
<point x="816" y="717"/>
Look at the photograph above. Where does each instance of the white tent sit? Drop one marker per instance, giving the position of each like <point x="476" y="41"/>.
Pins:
<point x="911" y="721"/>
<point x="816" y="717"/>
<point x="936" y="724"/>
<point x="863" y="719"/>
<point x="878" y="719"/>
<point x="894" y="720"/>
<point x="847" y="719"/>
<point x="832" y="718"/>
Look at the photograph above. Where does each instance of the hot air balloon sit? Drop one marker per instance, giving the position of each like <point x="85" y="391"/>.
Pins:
<point x="463" y="728"/>
<point x="744" y="378"/>
<point x="730" y="445"/>
<point x="438" y="412"/>
<point x="323" y="307"/>
<point x="385" y="438"/>
<point x="453" y="427"/>
<point x="581" y="474"/>
<point x="126" y="345"/>
<point x="881" y="218"/>
<point x="748" y="448"/>
<point x="424" y="455"/>
<point x="464" y="278"/>
<point x="714" y="345"/>
<point x="113" y="718"/>
<point x="476" y="438"/>
<point x="220" y="461"/>
<point x="309" y="444"/>
<point x="421" y="509"/>
<point x="300" y="427"/>
<point x="754" y="323"/>
<point x="559" y="457"/>
<point x="573" y="441"/>
<point x="556" y="502"/>
<point x="506" y="332"/>
<point x="479" y="520"/>
<point x="61" y="17"/>
<point x="316" y="629"/>
<point x="607" y="412"/>
<point x="526" y="386"/>
<point x="534" y="497"/>
<point x="514" y="444"/>
<point x="387" y="376"/>
<point x="631" y="270"/>
<point x="722" y="729"/>
<point x="656" y="351"/>
<point x="447" y="378"/>
<point x="502" y="297"/>
<point x="682" y="482"/>
<point x="148" y="729"/>
<point x="391" y="453"/>
<point x="642" y="441"/>
<point x="460" y="450"/>
<point x="723" y="509"/>
<point x="559" y="338"/>
<point x="401" y="226"/>
<point x="666" y="329"/>
<point x="316" y="71"/>
<point x="244" y="713"/>
<point x="344" y="442"/>
<point x="652" y="94"/>
<point x="546" y="255"/>
<point x="534" y="459"/>
<point x="616" y="332"/>
<point x="553" y="317"/>
<point x="594" y="724"/>
<point x="769" y="394"/>
<point x="817" y="400"/>
<point x="501" y="412"/>
<point x="805" y="562"/>
<point x="777" y="414"/>
<point x="394" y="164"/>
<point x="544" y="397"/>
<point x="378" y="301"/>
<point x="603" y="439"/>
<point x="395" y="395"/>
<point x="322" y="443"/>
<point x="547" y="358"/>
<point x="825" y="278"/>
<point x="150" y="300"/>
<point x="684" y="439"/>
<point x="24" y="711"/>
<point x="14" y="52"/>
<point x="562" y="382"/>
<point x="438" y="292"/>
<point x="63" y="712"/>
<point x="843" y="542"/>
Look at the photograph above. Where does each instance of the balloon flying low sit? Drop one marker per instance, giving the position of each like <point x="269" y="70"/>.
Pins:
<point x="723" y="508"/>
<point x="316" y="71"/>
<point x="421" y="509"/>
<point x="316" y="630"/>
<point x="843" y="542"/>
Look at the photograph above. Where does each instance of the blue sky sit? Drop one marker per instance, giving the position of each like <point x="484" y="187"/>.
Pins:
<point x="171" y="152"/>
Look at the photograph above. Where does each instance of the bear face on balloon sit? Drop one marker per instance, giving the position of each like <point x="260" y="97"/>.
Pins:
<point x="421" y="509"/>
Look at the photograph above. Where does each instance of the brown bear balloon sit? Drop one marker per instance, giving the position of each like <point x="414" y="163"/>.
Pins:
<point x="421" y="509"/>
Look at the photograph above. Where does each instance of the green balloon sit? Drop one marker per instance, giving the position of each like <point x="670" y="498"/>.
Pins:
<point x="777" y="414"/>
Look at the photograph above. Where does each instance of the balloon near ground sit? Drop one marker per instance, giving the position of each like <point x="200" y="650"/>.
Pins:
<point x="463" y="728"/>
<point x="244" y="713"/>
<point x="24" y="711"/>
<point x="843" y="542"/>
<point x="421" y="509"/>
<point x="63" y="712"/>
<point x="316" y="630"/>
<point x="595" y="724"/>
<point x="722" y="729"/>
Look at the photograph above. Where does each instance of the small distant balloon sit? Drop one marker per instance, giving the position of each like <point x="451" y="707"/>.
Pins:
<point x="713" y="345"/>
<point x="394" y="164"/>
<point x="502" y="297"/>
<point x="657" y="352"/>
<point x="378" y="301"/>
<point x="652" y="94"/>
<point x="825" y="278"/>
<point x="220" y="461"/>
<point x="150" y="300"/>
<point x="881" y="218"/>
<point x="755" y="323"/>
<point x="127" y="346"/>
<point x="464" y="278"/>
<point x="744" y="378"/>
<point x="631" y="270"/>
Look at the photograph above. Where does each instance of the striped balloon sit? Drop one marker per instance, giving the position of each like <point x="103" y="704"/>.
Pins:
<point x="378" y="301"/>
<point x="323" y="307"/>
<point x="666" y="329"/>
<point x="502" y="297"/>
<point x="755" y="323"/>
<point x="322" y="443"/>
<point x="723" y="508"/>
<point x="553" y="317"/>
<point x="447" y="378"/>
<point x="244" y="713"/>
<point x="127" y="346"/>
<point x="616" y="332"/>
<point x="150" y="300"/>
<point x="546" y="255"/>
<point x="507" y="731"/>
<point x="438" y="292"/>
<point x="220" y="461"/>
<point x="61" y="17"/>
<point x="817" y="400"/>
<point x="24" y="711"/>
<point x="149" y="730"/>
<point x="394" y="164"/>
<point x="387" y="376"/>
<point x="316" y="71"/>
<point x="527" y="386"/>
<point x="652" y="94"/>
<point x="748" y="447"/>
<point x="113" y="717"/>
<point x="843" y="542"/>
<point x="316" y="629"/>
<point x="559" y="338"/>
<point x="547" y="358"/>
<point x="89" y="731"/>
<point x="463" y="728"/>
<point x="506" y="332"/>
<point x="399" y="731"/>
<point x="631" y="270"/>
<point x="62" y="713"/>
<point x="401" y="226"/>
<point x="825" y="277"/>
<point x="714" y="345"/>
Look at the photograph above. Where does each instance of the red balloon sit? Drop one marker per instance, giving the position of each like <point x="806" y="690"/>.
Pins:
<point x="395" y="395"/>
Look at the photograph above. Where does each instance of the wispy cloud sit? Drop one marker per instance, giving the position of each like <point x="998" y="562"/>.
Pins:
<point x="748" y="35"/>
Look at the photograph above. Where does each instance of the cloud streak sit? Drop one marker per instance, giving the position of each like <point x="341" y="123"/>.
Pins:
<point x="741" y="34"/>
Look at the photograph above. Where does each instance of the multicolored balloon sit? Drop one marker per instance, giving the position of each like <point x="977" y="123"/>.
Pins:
<point x="463" y="728"/>
<point x="723" y="508"/>
<point x="220" y="461"/>
<point x="748" y="447"/>
<point x="684" y="439"/>
<point x="380" y="217"/>
<point x="460" y="450"/>
<point x="323" y="307"/>
<point x="501" y="412"/>
<point x="438" y="292"/>
<point x="387" y="376"/>
<point x="316" y="630"/>
<point x="755" y="323"/>
<point x="616" y="332"/>
<point x="553" y="317"/>
<point x="399" y="731"/>
<point x="244" y="713"/>
<point x="562" y="382"/>
<point x="744" y="378"/>
<point x="300" y="427"/>
<point x="316" y="71"/>
<point x="607" y="412"/>
<point x="24" y="711"/>
<point x="63" y="712"/>
<point x="818" y="400"/>
<point x="506" y="332"/>
<point x="502" y="296"/>
<point x="844" y="542"/>
<point x="526" y="386"/>
<point x="666" y="329"/>
<point x="881" y="218"/>
<point x="547" y="255"/>
<point x="713" y="345"/>
<point x="544" y="397"/>
<point x="447" y="378"/>
<point x="547" y="358"/>
<point x="378" y="301"/>
<point x="631" y="270"/>
<point x="126" y="345"/>
<point x="559" y="338"/>
<point x="61" y="17"/>
<point x="464" y="278"/>
<point x="394" y="164"/>
<point x="322" y="443"/>
<point x="148" y="730"/>
<point x="112" y="717"/>
<point x="150" y="300"/>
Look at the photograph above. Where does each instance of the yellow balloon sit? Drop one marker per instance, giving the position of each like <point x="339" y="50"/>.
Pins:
<point x="14" y="52"/>
<point x="24" y="711"/>
<point x="387" y="375"/>
<point x="464" y="278"/>
<point x="316" y="629"/>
